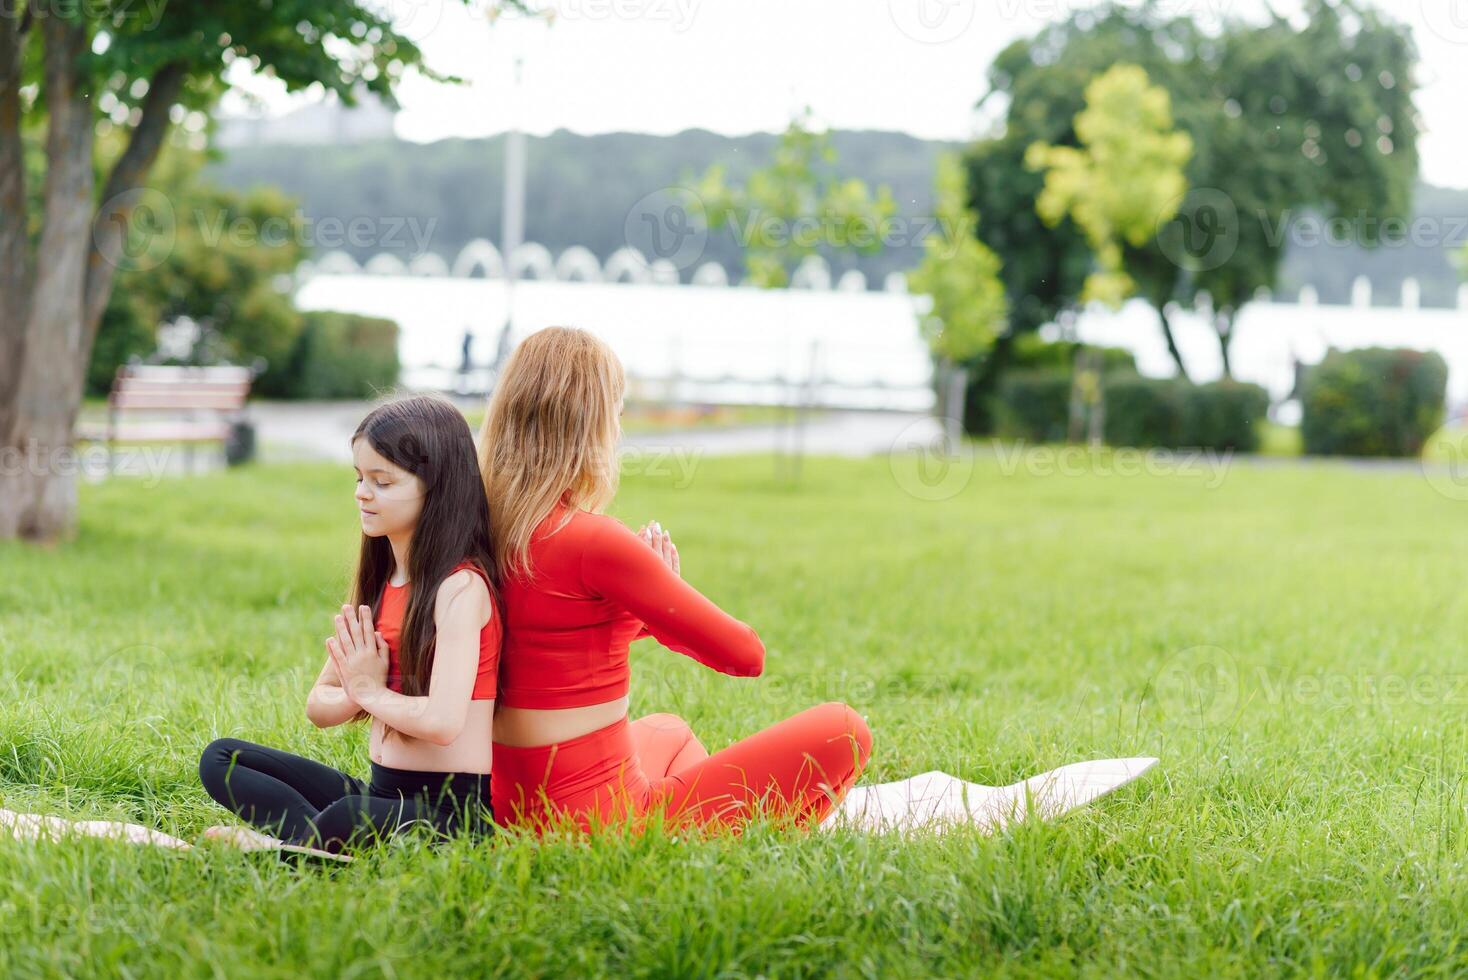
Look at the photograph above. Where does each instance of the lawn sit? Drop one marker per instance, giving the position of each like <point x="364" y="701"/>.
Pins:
<point x="1308" y="815"/>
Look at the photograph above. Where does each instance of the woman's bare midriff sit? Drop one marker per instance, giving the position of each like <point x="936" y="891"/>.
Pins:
<point x="470" y="752"/>
<point x="531" y="727"/>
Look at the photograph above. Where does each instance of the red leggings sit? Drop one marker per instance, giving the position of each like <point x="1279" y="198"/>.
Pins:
<point x="796" y="769"/>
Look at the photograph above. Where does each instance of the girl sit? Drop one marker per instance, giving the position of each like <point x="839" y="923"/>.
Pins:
<point x="579" y="587"/>
<point x="417" y="651"/>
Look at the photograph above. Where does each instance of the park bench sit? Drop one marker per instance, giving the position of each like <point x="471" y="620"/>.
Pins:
<point x="188" y="405"/>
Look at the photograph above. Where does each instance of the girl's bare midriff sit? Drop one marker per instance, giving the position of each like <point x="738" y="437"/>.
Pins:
<point x="530" y="727"/>
<point x="470" y="752"/>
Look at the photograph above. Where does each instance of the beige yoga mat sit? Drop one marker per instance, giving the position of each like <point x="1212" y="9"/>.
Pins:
<point x="936" y="801"/>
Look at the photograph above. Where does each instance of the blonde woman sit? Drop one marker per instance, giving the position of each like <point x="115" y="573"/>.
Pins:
<point x="578" y="588"/>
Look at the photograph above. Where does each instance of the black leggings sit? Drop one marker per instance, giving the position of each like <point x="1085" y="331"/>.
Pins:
<point x="304" y="802"/>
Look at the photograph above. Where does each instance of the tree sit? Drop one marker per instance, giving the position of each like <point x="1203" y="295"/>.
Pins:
<point x="1124" y="179"/>
<point x="82" y="67"/>
<point x="960" y="276"/>
<point x="799" y="206"/>
<point x="1282" y="120"/>
<point x="221" y="270"/>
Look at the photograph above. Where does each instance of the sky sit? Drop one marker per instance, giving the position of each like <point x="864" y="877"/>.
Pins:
<point x="740" y="66"/>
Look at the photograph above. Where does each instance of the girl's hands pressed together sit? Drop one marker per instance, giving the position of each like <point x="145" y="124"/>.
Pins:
<point x="359" y="652"/>
<point x="661" y="542"/>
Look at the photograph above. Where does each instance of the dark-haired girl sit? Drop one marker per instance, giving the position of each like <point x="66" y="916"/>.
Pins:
<point x="417" y="651"/>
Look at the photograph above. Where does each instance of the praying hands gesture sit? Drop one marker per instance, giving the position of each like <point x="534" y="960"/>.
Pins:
<point x="661" y="542"/>
<point x="359" y="653"/>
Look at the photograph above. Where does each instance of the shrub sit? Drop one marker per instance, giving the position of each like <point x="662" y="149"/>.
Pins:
<point x="337" y="355"/>
<point x="1034" y="404"/>
<point x="1225" y="415"/>
<point x="1373" y="402"/>
<point x="1145" y="411"/>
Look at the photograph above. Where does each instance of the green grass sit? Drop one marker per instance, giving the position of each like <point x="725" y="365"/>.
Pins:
<point x="1309" y="820"/>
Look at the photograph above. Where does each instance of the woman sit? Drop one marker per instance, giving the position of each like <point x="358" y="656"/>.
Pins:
<point x="578" y="588"/>
<point x="417" y="651"/>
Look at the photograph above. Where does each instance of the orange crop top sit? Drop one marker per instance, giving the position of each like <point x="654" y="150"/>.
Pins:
<point x="394" y="607"/>
<point x="596" y="587"/>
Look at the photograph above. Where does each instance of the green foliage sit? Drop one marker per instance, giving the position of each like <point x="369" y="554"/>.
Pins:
<point x="1034" y="396"/>
<point x="338" y="355"/>
<point x="1373" y="402"/>
<point x="1146" y="411"/>
<point x="959" y="273"/>
<point x="1124" y="180"/>
<point x="798" y="206"/>
<point x="1227" y="415"/>
<point x="1283" y="118"/>
<point x="1034" y="404"/>
<point x="221" y="254"/>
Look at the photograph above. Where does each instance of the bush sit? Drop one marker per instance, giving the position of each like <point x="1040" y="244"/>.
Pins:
<point x="1034" y="404"/>
<point x="1373" y="402"/>
<point x="1225" y="415"/>
<point x="337" y="355"/>
<point x="1145" y="411"/>
<point x="1033" y="397"/>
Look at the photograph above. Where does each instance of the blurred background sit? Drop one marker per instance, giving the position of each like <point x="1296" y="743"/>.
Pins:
<point x="930" y="225"/>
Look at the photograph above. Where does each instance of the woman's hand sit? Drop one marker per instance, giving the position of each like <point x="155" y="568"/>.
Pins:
<point x="360" y="654"/>
<point x="661" y="542"/>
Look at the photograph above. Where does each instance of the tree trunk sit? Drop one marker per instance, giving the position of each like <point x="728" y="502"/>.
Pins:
<point x="1177" y="355"/>
<point x="61" y="308"/>
<point x="37" y="468"/>
<point x="1223" y="322"/>
<point x="15" y="257"/>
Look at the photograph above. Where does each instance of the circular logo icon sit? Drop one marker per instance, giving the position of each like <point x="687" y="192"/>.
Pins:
<point x="926" y="465"/>
<point x="1445" y="462"/>
<point x="1448" y="19"/>
<point x="1203" y="232"/>
<point x="136" y="230"/>
<point x="932" y="21"/>
<point x="415" y="20"/>
<point x="670" y="225"/>
<point x="1199" y="687"/>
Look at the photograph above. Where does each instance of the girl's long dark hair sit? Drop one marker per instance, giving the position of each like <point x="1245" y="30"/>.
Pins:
<point x="429" y="438"/>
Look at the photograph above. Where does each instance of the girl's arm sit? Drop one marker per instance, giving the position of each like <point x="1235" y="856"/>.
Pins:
<point x="329" y="703"/>
<point x="461" y="610"/>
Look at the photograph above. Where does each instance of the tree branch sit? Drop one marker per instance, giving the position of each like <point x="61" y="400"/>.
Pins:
<point x="127" y="175"/>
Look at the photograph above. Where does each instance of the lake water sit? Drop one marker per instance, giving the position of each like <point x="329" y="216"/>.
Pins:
<point x="720" y="344"/>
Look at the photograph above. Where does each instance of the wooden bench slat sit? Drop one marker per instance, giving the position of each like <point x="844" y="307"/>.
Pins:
<point x="159" y="400"/>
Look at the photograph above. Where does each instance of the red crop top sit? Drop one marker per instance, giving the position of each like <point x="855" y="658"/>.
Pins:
<point x="394" y="607"/>
<point x="595" y="584"/>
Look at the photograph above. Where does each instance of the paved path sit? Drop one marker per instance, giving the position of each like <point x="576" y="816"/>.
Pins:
<point x="323" y="430"/>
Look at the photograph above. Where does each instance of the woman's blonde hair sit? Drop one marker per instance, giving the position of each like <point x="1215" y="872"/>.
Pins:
<point x="551" y="428"/>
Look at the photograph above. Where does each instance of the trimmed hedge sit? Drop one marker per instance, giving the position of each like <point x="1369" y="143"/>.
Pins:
<point x="337" y="355"/>
<point x="1034" y="405"/>
<point x="1143" y="412"/>
<point x="1227" y="415"/>
<point x="1377" y="401"/>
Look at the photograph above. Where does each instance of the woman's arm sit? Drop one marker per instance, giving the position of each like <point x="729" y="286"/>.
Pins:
<point x="328" y="703"/>
<point x="461" y="609"/>
<point x="620" y="566"/>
